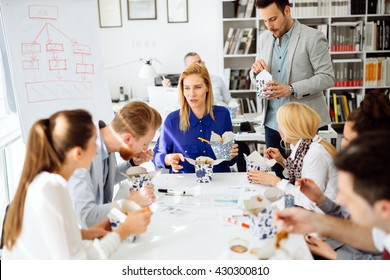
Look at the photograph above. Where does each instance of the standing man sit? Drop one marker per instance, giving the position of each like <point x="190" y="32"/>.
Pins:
<point x="298" y="59"/>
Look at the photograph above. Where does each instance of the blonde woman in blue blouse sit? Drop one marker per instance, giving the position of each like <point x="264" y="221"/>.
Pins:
<point x="197" y="117"/>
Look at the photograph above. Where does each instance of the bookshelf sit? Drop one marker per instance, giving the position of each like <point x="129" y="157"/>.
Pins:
<point x="240" y="30"/>
<point x="358" y="32"/>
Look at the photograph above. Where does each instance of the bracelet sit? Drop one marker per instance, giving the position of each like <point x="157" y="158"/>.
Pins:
<point x="131" y="161"/>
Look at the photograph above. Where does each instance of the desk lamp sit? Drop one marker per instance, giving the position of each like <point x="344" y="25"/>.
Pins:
<point x="147" y="71"/>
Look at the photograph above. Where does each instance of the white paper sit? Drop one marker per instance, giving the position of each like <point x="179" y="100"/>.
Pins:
<point x="227" y="136"/>
<point x="255" y="158"/>
<point x="204" y="159"/>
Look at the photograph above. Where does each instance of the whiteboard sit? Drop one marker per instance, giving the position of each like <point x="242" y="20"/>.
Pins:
<point x="54" y="56"/>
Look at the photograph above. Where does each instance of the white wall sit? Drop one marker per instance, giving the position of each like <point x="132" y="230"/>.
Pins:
<point x="168" y="42"/>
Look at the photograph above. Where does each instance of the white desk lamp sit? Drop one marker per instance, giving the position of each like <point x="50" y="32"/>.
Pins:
<point x="147" y="71"/>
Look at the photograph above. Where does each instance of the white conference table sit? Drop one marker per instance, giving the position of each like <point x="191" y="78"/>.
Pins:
<point x="195" y="227"/>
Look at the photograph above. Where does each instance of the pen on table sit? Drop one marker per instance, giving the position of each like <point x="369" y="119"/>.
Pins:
<point x="203" y="140"/>
<point x="226" y="200"/>
<point x="178" y="194"/>
<point x="171" y="191"/>
<point x="236" y="222"/>
<point x="240" y="216"/>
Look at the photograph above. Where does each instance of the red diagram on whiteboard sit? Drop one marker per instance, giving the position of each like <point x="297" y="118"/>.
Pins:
<point x="56" y="62"/>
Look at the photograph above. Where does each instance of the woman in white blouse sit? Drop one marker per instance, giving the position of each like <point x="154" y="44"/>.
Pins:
<point x="311" y="157"/>
<point x="41" y="222"/>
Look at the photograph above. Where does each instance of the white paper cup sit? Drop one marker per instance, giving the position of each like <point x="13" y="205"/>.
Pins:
<point x="204" y="173"/>
<point x="222" y="151"/>
<point x="263" y="225"/>
<point x="253" y="166"/>
<point x="140" y="180"/>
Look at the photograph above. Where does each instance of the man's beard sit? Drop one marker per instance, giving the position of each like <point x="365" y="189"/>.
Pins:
<point x="125" y="152"/>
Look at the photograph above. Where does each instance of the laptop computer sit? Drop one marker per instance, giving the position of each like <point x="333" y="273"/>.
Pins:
<point x="173" y="77"/>
<point x="164" y="100"/>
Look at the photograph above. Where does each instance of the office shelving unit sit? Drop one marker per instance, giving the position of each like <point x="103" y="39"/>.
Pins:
<point x="236" y="64"/>
<point x="342" y="22"/>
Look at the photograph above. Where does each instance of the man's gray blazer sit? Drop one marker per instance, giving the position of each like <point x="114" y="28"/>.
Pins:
<point x="309" y="67"/>
<point x="91" y="197"/>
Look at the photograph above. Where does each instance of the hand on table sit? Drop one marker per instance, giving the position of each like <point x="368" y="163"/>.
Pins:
<point x="263" y="178"/>
<point x="173" y="160"/>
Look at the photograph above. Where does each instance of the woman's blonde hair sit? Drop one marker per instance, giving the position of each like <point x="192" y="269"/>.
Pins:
<point x="48" y="142"/>
<point x="201" y="71"/>
<point x="299" y="121"/>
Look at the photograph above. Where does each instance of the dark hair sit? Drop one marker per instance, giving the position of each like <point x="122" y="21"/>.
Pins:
<point x="373" y="113"/>
<point x="281" y="4"/>
<point x="46" y="147"/>
<point x="137" y="118"/>
<point x="365" y="159"/>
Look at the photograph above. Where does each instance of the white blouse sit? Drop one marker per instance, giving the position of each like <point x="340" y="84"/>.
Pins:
<point x="318" y="165"/>
<point x="50" y="229"/>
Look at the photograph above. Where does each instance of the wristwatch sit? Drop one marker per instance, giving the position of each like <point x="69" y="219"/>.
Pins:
<point x="292" y="92"/>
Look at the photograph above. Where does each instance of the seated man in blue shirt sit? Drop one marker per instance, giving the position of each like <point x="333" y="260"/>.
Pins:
<point x="197" y="117"/>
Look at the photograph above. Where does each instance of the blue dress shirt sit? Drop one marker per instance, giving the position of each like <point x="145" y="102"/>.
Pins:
<point x="173" y="140"/>
<point x="278" y="72"/>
